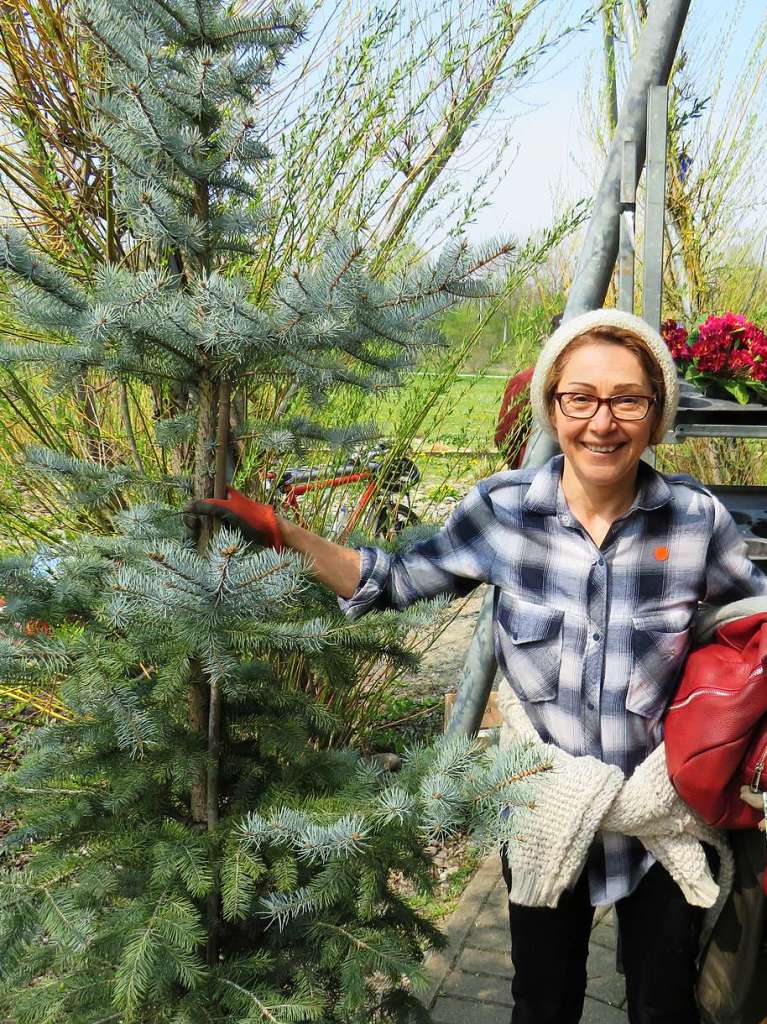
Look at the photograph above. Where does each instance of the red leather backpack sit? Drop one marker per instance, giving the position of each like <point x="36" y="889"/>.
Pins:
<point x="715" y="728"/>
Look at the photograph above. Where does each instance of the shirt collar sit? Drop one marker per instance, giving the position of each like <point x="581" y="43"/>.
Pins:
<point x="653" y="491"/>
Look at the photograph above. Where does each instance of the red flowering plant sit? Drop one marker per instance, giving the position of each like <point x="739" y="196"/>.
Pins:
<point x="725" y="353"/>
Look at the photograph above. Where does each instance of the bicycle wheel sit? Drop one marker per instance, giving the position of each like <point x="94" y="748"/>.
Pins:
<point x="394" y="518"/>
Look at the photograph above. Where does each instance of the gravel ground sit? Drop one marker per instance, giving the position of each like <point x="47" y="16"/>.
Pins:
<point x="442" y="663"/>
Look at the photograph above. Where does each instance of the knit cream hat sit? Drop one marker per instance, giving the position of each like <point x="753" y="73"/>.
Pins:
<point x="582" y="324"/>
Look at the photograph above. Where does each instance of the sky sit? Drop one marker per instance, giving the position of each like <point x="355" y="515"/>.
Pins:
<point x="554" y="158"/>
<point x="551" y="161"/>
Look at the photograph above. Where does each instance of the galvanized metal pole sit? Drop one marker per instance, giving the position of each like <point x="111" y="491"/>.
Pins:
<point x="626" y="249"/>
<point x="652" y="65"/>
<point x="655" y="204"/>
<point x="478" y="673"/>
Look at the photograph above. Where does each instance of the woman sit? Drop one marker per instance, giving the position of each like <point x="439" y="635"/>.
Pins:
<point x="599" y="563"/>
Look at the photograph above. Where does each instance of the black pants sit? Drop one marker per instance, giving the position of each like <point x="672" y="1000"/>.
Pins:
<point x="659" y="931"/>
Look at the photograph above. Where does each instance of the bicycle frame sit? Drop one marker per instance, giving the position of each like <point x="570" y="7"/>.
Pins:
<point x="293" y="492"/>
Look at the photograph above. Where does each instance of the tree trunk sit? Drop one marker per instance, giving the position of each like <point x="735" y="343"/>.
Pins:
<point x="202" y="487"/>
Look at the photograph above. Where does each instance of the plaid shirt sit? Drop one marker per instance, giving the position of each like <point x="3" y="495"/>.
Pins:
<point x="592" y="639"/>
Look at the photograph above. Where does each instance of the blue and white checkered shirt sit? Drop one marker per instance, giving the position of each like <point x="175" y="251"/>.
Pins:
<point x="592" y="639"/>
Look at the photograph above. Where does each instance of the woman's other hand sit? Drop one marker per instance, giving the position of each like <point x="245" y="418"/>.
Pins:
<point x="755" y="800"/>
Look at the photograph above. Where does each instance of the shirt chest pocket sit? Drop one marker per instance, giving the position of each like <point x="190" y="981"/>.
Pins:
<point x="531" y="639"/>
<point x="658" y="651"/>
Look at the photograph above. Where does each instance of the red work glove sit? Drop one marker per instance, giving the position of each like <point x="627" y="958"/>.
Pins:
<point x="256" y="522"/>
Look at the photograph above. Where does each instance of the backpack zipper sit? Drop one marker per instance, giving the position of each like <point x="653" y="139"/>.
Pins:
<point x="756" y="778"/>
<point x="711" y="690"/>
<point x="700" y="693"/>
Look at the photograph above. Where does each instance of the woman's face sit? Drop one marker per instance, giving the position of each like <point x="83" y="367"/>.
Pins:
<point x="604" y="369"/>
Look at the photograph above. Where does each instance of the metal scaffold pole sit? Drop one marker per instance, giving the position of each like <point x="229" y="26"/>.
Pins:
<point x="654" y="58"/>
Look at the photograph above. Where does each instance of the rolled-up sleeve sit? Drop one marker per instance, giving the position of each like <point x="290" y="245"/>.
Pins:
<point x="375" y="566"/>
<point x="730" y="574"/>
<point x="453" y="561"/>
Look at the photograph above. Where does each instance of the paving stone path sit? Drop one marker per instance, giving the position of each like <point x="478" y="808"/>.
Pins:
<point x="470" y="980"/>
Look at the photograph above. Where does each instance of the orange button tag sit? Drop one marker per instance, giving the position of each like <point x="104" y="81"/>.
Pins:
<point x="661" y="554"/>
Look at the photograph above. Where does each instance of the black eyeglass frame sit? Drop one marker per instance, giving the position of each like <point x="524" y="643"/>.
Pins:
<point x="650" y="399"/>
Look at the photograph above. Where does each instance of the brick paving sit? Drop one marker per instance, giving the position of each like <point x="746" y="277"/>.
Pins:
<point x="470" y="980"/>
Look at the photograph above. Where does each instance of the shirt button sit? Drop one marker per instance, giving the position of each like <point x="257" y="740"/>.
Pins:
<point x="600" y="561"/>
<point x="590" y="706"/>
<point x="596" y="636"/>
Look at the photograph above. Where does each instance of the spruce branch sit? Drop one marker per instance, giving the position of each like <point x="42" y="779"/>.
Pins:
<point x="175" y="16"/>
<point x="274" y="1008"/>
<point x="380" y="952"/>
<point x="18" y="258"/>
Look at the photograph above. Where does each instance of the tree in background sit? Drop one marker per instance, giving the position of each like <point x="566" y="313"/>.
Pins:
<point x="185" y="797"/>
<point x="368" y="120"/>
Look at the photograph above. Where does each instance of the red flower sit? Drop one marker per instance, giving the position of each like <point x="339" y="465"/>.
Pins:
<point x="675" y="336"/>
<point x="719" y="339"/>
<point x="727" y="345"/>
<point x="756" y="340"/>
<point x="740" y="361"/>
<point x="710" y="354"/>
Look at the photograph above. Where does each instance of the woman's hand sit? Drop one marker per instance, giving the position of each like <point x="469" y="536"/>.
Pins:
<point x="755" y="800"/>
<point x="255" y="521"/>
<point x="336" y="566"/>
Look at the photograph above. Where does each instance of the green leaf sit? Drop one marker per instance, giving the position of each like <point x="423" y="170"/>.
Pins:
<point x="758" y="387"/>
<point x="738" y="390"/>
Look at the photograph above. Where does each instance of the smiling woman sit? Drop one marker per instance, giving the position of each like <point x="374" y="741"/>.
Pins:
<point x="599" y="563"/>
<point x="603" y="430"/>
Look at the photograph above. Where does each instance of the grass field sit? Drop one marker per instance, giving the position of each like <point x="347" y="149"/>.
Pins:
<point x="464" y="413"/>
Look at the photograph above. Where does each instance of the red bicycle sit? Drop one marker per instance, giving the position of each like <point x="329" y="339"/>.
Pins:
<point x="383" y="505"/>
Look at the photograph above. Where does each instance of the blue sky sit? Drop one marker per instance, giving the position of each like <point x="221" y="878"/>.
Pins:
<point x="551" y="161"/>
<point x="553" y="155"/>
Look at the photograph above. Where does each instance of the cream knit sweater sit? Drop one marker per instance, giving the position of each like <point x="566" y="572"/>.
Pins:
<point x="582" y="796"/>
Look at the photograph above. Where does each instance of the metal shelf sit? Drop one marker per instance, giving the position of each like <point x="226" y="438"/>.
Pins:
<point x="700" y="416"/>
<point x="748" y="507"/>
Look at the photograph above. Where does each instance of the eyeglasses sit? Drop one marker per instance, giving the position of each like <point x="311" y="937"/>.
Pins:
<point x="622" y="407"/>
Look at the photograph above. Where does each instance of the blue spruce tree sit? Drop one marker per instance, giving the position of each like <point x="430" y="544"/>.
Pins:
<point x="193" y="849"/>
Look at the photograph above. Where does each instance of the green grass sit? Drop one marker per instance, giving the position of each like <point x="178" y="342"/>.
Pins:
<point x="466" y="410"/>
